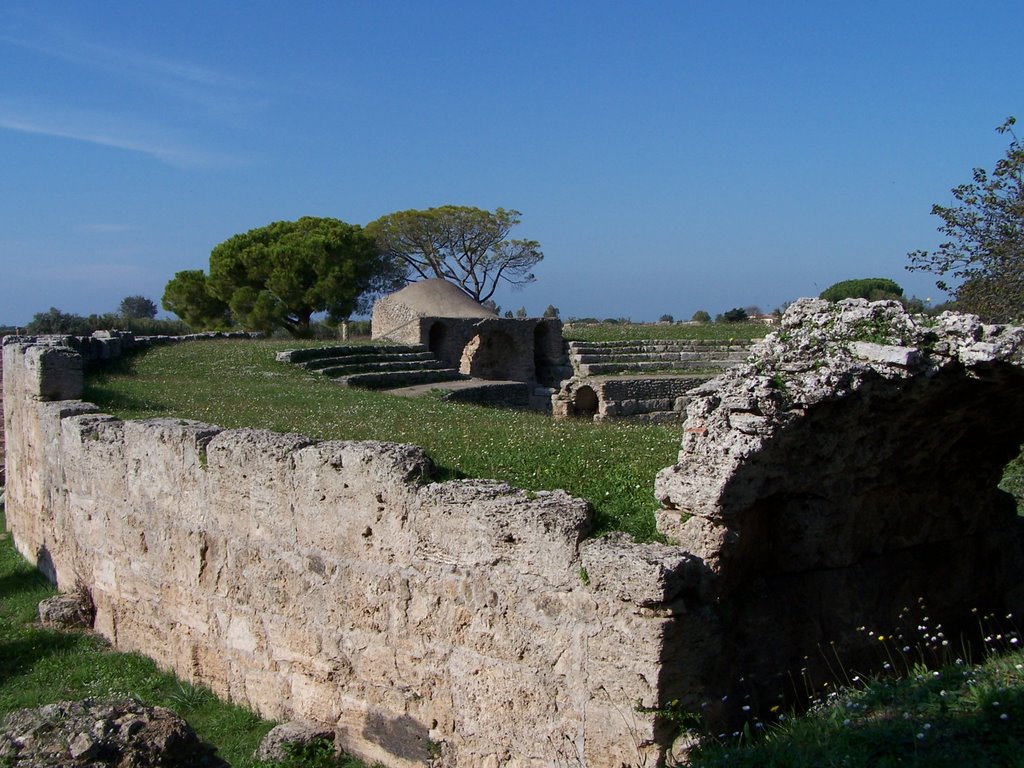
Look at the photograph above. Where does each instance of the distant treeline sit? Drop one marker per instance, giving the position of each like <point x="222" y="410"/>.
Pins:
<point x="54" y="321"/>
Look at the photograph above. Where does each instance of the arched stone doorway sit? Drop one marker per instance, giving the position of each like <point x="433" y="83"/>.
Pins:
<point x="584" y="402"/>
<point x="541" y="342"/>
<point x="437" y="337"/>
<point x="856" y="478"/>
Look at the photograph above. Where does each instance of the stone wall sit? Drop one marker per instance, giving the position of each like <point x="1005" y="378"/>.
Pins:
<point x="601" y="358"/>
<point x="455" y="624"/>
<point x="656" y="399"/>
<point x="103" y="346"/>
<point x="847" y="472"/>
<point x="3" y="471"/>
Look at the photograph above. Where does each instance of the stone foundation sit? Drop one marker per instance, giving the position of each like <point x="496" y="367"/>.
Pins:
<point x="659" y="399"/>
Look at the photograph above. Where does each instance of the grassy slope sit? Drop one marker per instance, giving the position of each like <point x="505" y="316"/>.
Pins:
<point x="239" y="384"/>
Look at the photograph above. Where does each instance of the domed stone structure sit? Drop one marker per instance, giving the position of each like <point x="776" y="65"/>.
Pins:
<point x="470" y="337"/>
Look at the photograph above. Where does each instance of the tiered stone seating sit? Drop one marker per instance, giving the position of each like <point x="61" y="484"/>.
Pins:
<point x="610" y="358"/>
<point x="373" y="366"/>
<point x="646" y="381"/>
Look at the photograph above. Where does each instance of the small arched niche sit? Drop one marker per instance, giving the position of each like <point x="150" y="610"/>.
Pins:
<point x="584" y="402"/>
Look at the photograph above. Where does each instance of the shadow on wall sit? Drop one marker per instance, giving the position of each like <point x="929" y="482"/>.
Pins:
<point x="401" y="737"/>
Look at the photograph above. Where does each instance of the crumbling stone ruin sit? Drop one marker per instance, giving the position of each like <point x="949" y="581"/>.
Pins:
<point x="471" y="338"/>
<point x="640" y="381"/>
<point x="655" y="356"/>
<point x="425" y="623"/>
<point x="107" y="345"/>
<point x="846" y="471"/>
<point x="652" y="399"/>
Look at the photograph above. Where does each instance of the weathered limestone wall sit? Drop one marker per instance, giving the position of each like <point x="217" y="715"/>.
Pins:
<point x="447" y="624"/>
<point x="3" y="471"/>
<point x="650" y="398"/>
<point x="102" y="346"/>
<point x="600" y="358"/>
<point x="394" y="321"/>
<point x="845" y="473"/>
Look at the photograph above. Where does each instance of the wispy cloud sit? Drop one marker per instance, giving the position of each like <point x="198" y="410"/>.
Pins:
<point x="69" y="47"/>
<point x="163" y="104"/>
<point x="215" y="90"/>
<point x="111" y="131"/>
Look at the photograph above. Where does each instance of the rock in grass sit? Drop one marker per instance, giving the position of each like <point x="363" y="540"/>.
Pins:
<point x="95" y="733"/>
<point x="69" y="610"/>
<point x="285" y="739"/>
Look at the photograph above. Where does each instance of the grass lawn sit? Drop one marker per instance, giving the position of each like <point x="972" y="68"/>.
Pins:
<point x="955" y="716"/>
<point x="239" y="384"/>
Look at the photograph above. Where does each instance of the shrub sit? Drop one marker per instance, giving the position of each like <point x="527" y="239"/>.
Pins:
<point x="734" y="315"/>
<point x="871" y="288"/>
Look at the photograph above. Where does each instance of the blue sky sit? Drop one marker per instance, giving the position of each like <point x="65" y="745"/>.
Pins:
<point x="669" y="156"/>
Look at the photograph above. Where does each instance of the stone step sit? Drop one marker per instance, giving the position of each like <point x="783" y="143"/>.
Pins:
<point x="346" y="350"/>
<point x="657" y="350"/>
<point x="654" y="345"/>
<point x="652" y="417"/>
<point x="372" y="366"/>
<point x="396" y="379"/>
<point x="322" y="363"/>
<point x="612" y="368"/>
<point x="710" y="354"/>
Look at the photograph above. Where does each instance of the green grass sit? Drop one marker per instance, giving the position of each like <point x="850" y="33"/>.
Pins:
<point x="957" y="715"/>
<point x="239" y="384"/>
<point x="1013" y="481"/>
<point x="935" y="700"/>
<point x="740" y="332"/>
<point x="41" y="666"/>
